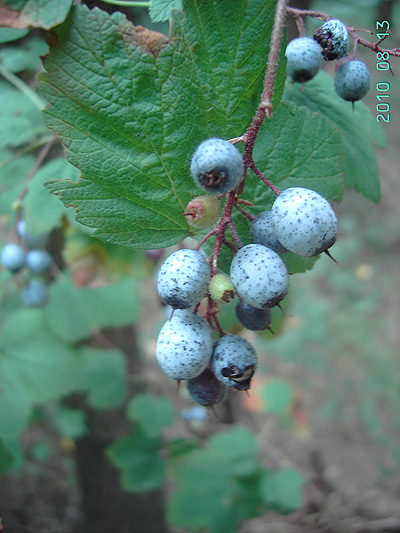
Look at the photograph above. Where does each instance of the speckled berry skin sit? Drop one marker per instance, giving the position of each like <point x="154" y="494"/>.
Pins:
<point x="13" y="257"/>
<point x="253" y="318"/>
<point x="304" y="59"/>
<point x="38" y="261"/>
<point x="206" y="389"/>
<point x="35" y="294"/>
<point x="217" y="166"/>
<point x="352" y="80"/>
<point x="234" y="361"/>
<point x="184" y="345"/>
<point x="304" y="221"/>
<point x="333" y="39"/>
<point x="262" y="231"/>
<point x="182" y="280"/>
<point x="259" y="276"/>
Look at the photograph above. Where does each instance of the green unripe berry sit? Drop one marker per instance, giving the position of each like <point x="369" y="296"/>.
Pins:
<point x="221" y="289"/>
<point x="203" y="211"/>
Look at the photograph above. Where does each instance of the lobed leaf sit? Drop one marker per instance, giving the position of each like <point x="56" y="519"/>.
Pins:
<point x="131" y="106"/>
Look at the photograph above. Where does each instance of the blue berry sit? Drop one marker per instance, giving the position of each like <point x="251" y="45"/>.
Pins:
<point x="217" y="166"/>
<point x="352" y="80"/>
<point x="333" y="39"/>
<point x="31" y="241"/>
<point x="234" y="361"/>
<point x="182" y="280"/>
<point x="253" y="318"/>
<point x="263" y="232"/>
<point x="259" y="276"/>
<point x="184" y="345"/>
<point x="35" y="294"/>
<point x="13" y="257"/>
<point x="304" y="221"/>
<point x="38" y="261"/>
<point x="206" y="389"/>
<point x="304" y="59"/>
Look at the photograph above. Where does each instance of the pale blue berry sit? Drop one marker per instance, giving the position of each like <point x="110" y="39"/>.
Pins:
<point x="304" y="221"/>
<point x="333" y="38"/>
<point x="263" y="232"/>
<point x="183" y="278"/>
<point x="35" y="294"/>
<point x="352" y="80"/>
<point x="304" y="59"/>
<point x="259" y="275"/>
<point x="38" y="261"/>
<point x="184" y="345"/>
<point x="217" y="166"/>
<point x="13" y="257"/>
<point x="234" y="361"/>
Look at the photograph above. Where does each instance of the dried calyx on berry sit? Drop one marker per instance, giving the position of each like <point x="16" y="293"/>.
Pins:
<point x="333" y="39"/>
<point x="203" y="211"/>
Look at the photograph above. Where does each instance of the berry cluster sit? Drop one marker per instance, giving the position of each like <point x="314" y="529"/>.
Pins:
<point x="305" y="57"/>
<point x="15" y="257"/>
<point x="300" y="221"/>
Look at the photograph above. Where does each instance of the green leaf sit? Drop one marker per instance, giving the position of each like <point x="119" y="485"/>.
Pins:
<point x="13" y="175"/>
<point x="358" y="128"/>
<point x="131" y="111"/>
<point x="74" y="313"/>
<point x="71" y="423"/>
<point x="152" y="413"/>
<point x="27" y="57"/>
<point x="208" y="495"/>
<point x="35" y="366"/>
<point x="138" y="459"/>
<point x="40" y="13"/>
<point x="160" y="9"/>
<point x="38" y="199"/>
<point x="20" y="119"/>
<point x="295" y="148"/>
<point x="277" y="395"/>
<point x="10" y="34"/>
<point x="6" y="458"/>
<point x="282" y="490"/>
<point x="103" y="377"/>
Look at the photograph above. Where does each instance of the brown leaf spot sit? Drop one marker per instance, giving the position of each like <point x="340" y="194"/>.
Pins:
<point x="148" y="42"/>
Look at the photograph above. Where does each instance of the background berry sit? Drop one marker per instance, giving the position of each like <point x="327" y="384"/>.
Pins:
<point x="304" y="221"/>
<point x="184" y="345"/>
<point x="13" y="257"/>
<point x="352" y="80"/>
<point x="262" y="231"/>
<point x="38" y="261"/>
<point x="234" y="361"/>
<point x="333" y="39"/>
<point x="304" y="59"/>
<point x="35" y="293"/>
<point x="259" y="276"/>
<point x="182" y="280"/>
<point x="206" y="389"/>
<point x="217" y="166"/>
<point x="31" y="241"/>
<point x="253" y="318"/>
